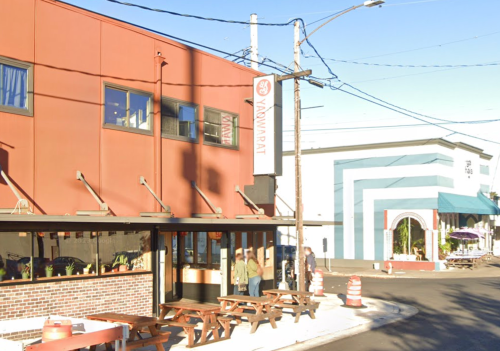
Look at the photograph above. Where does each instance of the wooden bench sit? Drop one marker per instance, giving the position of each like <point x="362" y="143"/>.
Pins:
<point x="154" y="340"/>
<point x="187" y="327"/>
<point x="226" y="324"/>
<point x="297" y="301"/>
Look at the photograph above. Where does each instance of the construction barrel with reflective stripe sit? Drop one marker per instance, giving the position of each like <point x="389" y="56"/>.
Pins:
<point x="353" y="298"/>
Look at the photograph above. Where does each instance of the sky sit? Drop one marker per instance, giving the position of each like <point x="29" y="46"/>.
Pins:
<point x="401" y="32"/>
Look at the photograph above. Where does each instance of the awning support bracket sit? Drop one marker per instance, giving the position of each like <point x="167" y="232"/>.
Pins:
<point x="215" y="210"/>
<point x="102" y="205"/>
<point x="291" y="209"/>
<point x="250" y="202"/>
<point x="166" y="208"/>
<point x="22" y="204"/>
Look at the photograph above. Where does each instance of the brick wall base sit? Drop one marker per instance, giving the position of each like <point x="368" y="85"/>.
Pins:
<point x="130" y="294"/>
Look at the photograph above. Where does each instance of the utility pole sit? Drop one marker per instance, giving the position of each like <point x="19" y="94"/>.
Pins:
<point x="299" y="225"/>
<point x="254" y="43"/>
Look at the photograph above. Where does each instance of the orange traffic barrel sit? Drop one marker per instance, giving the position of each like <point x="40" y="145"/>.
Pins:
<point x="56" y="329"/>
<point x="318" y="283"/>
<point x="353" y="298"/>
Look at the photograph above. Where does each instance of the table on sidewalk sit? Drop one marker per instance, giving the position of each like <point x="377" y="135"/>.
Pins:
<point x="235" y="305"/>
<point x="208" y="314"/>
<point x="297" y="301"/>
<point x="135" y="323"/>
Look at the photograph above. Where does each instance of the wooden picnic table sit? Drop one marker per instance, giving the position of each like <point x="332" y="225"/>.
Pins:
<point x="297" y="301"/>
<point x="136" y="323"/>
<point x="235" y="305"/>
<point x="208" y="314"/>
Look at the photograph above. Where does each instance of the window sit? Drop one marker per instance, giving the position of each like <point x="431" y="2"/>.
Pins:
<point x="220" y="128"/>
<point x="127" y="109"/>
<point x="16" y="87"/>
<point x="179" y="120"/>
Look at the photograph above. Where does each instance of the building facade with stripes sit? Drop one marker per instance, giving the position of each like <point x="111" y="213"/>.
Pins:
<point x="371" y="188"/>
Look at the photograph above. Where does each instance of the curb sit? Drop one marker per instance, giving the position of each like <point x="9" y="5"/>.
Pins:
<point x="405" y="312"/>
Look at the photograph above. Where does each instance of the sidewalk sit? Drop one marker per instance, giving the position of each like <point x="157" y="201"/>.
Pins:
<point x="332" y="322"/>
<point x="485" y="270"/>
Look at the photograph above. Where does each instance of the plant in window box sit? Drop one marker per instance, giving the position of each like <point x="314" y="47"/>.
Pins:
<point x="122" y="262"/>
<point x="102" y="267"/>
<point x="49" y="270"/>
<point x="86" y="270"/>
<point x="70" y="268"/>
<point x="25" y="271"/>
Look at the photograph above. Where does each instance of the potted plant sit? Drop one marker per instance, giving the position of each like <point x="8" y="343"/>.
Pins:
<point x="122" y="262"/>
<point x="49" y="270"/>
<point x="86" y="270"/>
<point x="3" y="272"/>
<point x="25" y="271"/>
<point x="102" y="267"/>
<point x="70" y="268"/>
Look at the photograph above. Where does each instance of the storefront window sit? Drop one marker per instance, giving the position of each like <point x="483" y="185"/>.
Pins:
<point x="124" y="251"/>
<point x="215" y="251"/>
<point x="15" y="254"/>
<point x="202" y="247"/>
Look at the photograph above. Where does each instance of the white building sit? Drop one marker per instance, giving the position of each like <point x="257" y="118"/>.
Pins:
<point x="372" y="188"/>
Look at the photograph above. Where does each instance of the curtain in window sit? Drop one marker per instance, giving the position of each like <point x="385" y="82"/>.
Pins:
<point x="14" y="86"/>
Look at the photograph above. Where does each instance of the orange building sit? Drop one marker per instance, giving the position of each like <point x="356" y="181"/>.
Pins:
<point x="120" y="153"/>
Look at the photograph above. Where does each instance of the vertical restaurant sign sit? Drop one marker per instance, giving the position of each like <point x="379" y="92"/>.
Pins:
<point x="227" y="129"/>
<point x="267" y="126"/>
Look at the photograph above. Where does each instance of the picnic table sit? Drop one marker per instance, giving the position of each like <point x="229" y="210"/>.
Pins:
<point x="297" y="301"/>
<point x="459" y="261"/>
<point x="236" y="305"/>
<point x="136" y="324"/>
<point x="184" y="311"/>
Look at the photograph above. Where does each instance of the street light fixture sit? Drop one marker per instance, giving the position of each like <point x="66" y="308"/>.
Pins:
<point x="299" y="224"/>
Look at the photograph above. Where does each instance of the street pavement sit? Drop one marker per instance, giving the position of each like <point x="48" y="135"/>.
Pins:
<point x="454" y="314"/>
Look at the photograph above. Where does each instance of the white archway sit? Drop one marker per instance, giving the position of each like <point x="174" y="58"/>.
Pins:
<point x="413" y="215"/>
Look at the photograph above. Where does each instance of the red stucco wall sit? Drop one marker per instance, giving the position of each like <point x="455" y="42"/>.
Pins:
<point x="74" y="52"/>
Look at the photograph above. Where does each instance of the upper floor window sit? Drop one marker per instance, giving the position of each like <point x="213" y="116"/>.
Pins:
<point x="179" y="120"/>
<point x="127" y="109"/>
<point x="16" y="87"/>
<point x="221" y="128"/>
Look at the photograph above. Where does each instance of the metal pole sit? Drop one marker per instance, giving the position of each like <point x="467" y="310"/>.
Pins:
<point x="254" y="43"/>
<point x="298" y="173"/>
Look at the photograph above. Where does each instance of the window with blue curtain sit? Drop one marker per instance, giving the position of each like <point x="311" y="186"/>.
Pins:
<point x="13" y="86"/>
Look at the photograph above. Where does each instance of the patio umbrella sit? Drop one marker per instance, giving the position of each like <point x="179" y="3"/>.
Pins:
<point x="466" y="234"/>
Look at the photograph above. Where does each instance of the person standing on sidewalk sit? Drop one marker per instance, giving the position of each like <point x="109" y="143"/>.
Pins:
<point x="240" y="275"/>
<point x="254" y="274"/>
<point x="310" y="266"/>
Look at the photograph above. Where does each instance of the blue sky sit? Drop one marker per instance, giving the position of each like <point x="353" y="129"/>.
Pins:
<point x="451" y="32"/>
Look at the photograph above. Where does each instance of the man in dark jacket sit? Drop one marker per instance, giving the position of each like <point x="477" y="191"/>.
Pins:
<point x="310" y="266"/>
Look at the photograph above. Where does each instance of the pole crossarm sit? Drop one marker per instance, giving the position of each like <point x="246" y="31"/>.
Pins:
<point x="305" y="73"/>
<point x="102" y="205"/>
<point x="142" y="181"/>
<point x="250" y="202"/>
<point x="216" y="210"/>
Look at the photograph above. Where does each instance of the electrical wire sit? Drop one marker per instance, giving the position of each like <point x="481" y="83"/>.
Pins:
<point x="494" y="63"/>
<point x="428" y="47"/>
<point x="379" y="127"/>
<point x="417" y="118"/>
<point x="199" y="17"/>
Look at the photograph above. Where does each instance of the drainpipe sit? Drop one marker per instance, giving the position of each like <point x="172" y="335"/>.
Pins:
<point x="159" y="60"/>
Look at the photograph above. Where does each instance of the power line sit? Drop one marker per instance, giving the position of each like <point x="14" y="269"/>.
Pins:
<point x="199" y="17"/>
<point x="417" y="118"/>
<point x="380" y="127"/>
<point x="429" y="47"/>
<point x="405" y="75"/>
<point x="494" y="63"/>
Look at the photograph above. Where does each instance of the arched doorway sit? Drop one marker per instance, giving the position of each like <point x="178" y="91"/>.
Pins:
<point x="409" y="234"/>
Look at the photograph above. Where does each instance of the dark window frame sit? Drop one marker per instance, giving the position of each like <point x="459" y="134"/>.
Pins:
<point x="29" y="67"/>
<point x="197" y="120"/>
<point x="127" y="90"/>
<point x="236" y="127"/>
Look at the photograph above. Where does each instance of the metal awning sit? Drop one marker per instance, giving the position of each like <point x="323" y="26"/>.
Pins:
<point x="81" y="223"/>
<point x="453" y="203"/>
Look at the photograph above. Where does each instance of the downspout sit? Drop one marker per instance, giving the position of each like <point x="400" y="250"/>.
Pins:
<point x="159" y="60"/>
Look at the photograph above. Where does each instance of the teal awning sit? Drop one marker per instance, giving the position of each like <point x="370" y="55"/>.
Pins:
<point x="480" y="204"/>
